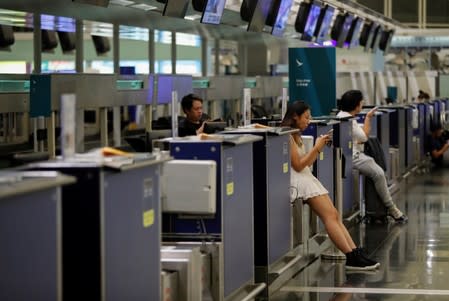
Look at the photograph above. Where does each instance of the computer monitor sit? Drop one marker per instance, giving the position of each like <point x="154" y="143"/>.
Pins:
<point x="255" y="12"/>
<point x="341" y="28"/>
<point x="312" y="19"/>
<point x="278" y="16"/>
<point x="175" y="8"/>
<point x="352" y="39"/>
<point x="366" y="36"/>
<point x="385" y="40"/>
<point x="211" y="10"/>
<point x="376" y="38"/>
<point x="324" y="24"/>
<point x="211" y="127"/>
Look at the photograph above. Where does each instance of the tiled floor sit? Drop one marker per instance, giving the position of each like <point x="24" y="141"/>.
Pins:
<point x="414" y="257"/>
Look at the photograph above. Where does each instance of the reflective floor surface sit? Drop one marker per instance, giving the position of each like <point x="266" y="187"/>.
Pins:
<point x="414" y="257"/>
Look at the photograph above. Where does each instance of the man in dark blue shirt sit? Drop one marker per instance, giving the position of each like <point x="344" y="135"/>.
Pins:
<point x="438" y="145"/>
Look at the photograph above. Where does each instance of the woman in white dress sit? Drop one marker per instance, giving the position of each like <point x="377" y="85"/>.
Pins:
<point x="307" y="188"/>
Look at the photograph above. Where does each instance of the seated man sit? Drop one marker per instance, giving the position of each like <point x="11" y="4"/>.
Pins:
<point x="438" y="145"/>
<point x="194" y="123"/>
<point x="350" y="105"/>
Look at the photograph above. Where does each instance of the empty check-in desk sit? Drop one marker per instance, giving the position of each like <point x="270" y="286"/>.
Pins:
<point x="111" y="228"/>
<point x="228" y="225"/>
<point x="31" y="235"/>
<point x="271" y="172"/>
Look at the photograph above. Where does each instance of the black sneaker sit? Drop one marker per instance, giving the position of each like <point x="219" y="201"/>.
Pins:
<point x="356" y="262"/>
<point x="362" y="253"/>
<point x="397" y="215"/>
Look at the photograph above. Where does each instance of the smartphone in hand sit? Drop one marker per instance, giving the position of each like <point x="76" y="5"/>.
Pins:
<point x="330" y="133"/>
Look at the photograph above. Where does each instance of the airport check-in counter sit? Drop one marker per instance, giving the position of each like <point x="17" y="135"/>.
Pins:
<point x="391" y="152"/>
<point x="342" y="143"/>
<point x="91" y="92"/>
<point x="111" y="228"/>
<point x="231" y="226"/>
<point x="380" y="129"/>
<point x="444" y="112"/>
<point x="423" y="127"/>
<point x="14" y="108"/>
<point x="30" y="235"/>
<point x="265" y="86"/>
<point x="14" y="116"/>
<point x="418" y="142"/>
<point x="410" y="136"/>
<point x="271" y="188"/>
<point x="436" y="111"/>
<point x="398" y="136"/>
<point x="217" y="89"/>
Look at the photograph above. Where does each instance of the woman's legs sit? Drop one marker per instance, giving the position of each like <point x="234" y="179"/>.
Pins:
<point x="323" y="207"/>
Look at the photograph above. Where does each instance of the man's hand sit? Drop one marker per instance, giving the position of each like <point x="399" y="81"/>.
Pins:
<point x="200" y="130"/>
<point x="371" y="112"/>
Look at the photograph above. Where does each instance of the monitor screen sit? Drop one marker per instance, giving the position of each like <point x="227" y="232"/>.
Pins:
<point x="385" y="40"/>
<point x="324" y="23"/>
<point x="366" y="36"/>
<point x="281" y="13"/>
<point x="312" y="19"/>
<point x="259" y="16"/>
<point x="352" y="39"/>
<point x="376" y="38"/>
<point x="301" y="17"/>
<point x="175" y="8"/>
<point x="341" y="28"/>
<point x="213" y="11"/>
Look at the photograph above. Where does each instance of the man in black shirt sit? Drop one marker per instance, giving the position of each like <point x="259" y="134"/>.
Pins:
<point x="438" y="145"/>
<point x="194" y="123"/>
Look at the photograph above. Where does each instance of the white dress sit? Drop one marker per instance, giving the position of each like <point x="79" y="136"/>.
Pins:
<point x="304" y="185"/>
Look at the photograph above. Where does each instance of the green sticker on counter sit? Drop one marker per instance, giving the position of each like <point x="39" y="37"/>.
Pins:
<point x="148" y="218"/>
<point x="285" y="167"/>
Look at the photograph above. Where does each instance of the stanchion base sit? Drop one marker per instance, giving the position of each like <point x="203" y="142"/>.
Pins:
<point x="333" y="254"/>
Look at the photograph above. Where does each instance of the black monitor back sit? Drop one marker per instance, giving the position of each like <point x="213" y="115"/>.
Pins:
<point x="49" y="40"/>
<point x="67" y="40"/>
<point x="101" y="44"/>
<point x="6" y="36"/>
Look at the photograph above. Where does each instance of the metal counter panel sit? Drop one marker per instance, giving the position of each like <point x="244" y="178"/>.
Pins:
<point x="31" y="245"/>
<point x="103" y="249"/>
<point x="233" y="220"/>
<point x="409" y="149"/>
<point x="132" y="234"/>
<point x="278" y="200"/>
<point x="237" y="217"/>
<point x="383" y="130"/>
<point x="344" y="134"/>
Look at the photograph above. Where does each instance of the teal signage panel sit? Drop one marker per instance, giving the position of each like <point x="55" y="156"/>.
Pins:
<point x="40" y="95"/>
<point x="312" y="78"/>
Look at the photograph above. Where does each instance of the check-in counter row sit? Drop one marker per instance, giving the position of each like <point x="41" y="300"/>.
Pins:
<point x="108" y="225"/>
<point x="104" y="237"/>
<point x="239" y="234"/>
